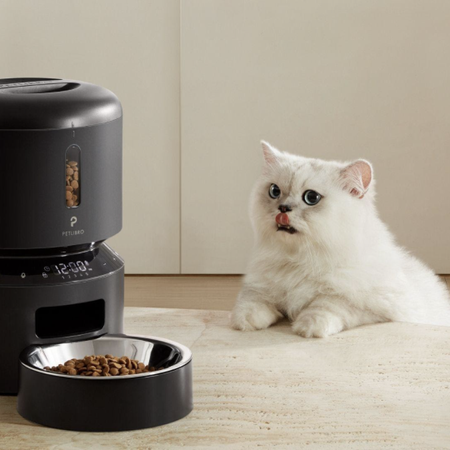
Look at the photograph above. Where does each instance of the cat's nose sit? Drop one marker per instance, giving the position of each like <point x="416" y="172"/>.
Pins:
<point x="284" y="208"/>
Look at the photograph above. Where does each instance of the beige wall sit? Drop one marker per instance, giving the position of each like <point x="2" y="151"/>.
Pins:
<point x="327" y="79"/>
<point x="320" y="78"/>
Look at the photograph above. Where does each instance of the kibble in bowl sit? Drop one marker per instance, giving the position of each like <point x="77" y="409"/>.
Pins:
<point x="102" y="366"/>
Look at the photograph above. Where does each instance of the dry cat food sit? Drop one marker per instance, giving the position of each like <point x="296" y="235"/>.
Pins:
<point x="72" y="184"/>
<point x="102" y="366"/>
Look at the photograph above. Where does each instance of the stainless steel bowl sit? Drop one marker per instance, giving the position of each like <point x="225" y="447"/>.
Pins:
<point x="156" y="352"/>
<point x="117" y="403"/>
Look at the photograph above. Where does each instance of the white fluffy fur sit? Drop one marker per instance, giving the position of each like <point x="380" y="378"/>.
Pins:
<point x="342" y="268"/>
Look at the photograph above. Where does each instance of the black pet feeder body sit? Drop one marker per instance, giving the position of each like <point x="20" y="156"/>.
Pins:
<point x="61" y="198"/>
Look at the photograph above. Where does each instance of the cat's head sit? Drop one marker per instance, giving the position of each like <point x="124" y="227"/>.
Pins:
<point x="299" y="198"/>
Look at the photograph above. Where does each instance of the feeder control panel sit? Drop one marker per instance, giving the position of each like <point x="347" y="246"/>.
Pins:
<point x="65" y="268"/>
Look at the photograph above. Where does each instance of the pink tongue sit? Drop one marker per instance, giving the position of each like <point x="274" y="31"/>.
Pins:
<point x="282" y="219"/>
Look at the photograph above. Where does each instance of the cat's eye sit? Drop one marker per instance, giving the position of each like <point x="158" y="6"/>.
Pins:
<point x="311" y="197"/>
<point x="274" y="191"/>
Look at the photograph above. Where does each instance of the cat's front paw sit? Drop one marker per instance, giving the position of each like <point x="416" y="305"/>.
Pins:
<point x="316" y="325"/>
<point x="250" y="316"/>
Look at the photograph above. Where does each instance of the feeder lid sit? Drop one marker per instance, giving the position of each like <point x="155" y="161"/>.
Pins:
<point x="54" y="103"/>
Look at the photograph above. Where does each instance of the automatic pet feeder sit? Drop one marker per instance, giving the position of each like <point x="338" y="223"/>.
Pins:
<point x="61" y="286"/>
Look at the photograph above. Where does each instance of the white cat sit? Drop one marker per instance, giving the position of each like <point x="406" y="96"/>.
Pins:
<point x="322" y="256"/>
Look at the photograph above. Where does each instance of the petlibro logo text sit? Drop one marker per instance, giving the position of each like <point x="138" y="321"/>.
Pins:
<point x="72" y="233"/>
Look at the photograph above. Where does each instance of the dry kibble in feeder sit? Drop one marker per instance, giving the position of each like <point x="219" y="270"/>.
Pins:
<point x="72" y="184"/>
<point x="102" y="366"/>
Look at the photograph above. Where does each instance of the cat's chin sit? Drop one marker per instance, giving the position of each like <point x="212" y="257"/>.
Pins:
<point x="286" y="229"/>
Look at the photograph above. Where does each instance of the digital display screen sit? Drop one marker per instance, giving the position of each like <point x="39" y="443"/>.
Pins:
<point x="72" y="267"/>
<point x="69" y="270"/>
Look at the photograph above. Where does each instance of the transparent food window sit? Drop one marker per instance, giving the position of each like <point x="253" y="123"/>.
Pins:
<point x="73" y="179"/>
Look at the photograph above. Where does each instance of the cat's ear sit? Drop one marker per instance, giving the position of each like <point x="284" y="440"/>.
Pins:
<point x="271" y="154"/>
<point x="356" y="177"/>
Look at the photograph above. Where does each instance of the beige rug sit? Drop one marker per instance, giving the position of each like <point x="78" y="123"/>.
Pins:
<point x="375" y="387"/>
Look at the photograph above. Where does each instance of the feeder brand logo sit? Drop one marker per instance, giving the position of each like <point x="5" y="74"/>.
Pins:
<point x="73" y="221"/>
